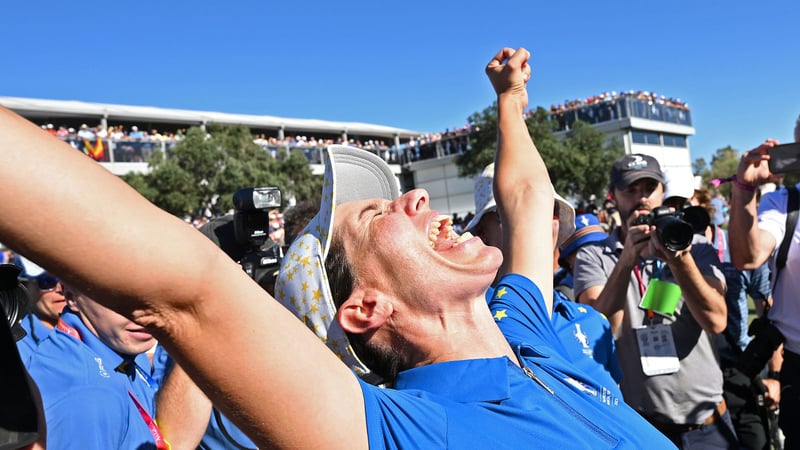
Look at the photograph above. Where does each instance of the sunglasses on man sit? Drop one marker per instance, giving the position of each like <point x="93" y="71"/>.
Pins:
<point x="47" y="282"/>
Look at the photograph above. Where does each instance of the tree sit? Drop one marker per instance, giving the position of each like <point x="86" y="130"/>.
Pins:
<point x="578" y="166"/>
<point x="583" y="166"/>
<point x="723" y="164"/>
<point x="204" y="170"/>
<point x="483" y="141"/>
<point x="700" y="167"/>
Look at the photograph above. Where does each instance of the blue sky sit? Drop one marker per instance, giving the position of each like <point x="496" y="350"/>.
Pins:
<point x="411" y="64"/>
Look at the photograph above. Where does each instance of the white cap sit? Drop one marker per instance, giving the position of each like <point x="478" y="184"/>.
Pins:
<point x="484" y="203"/>
<point x="678" y="182"/>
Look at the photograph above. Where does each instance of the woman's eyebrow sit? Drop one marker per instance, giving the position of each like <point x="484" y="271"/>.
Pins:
<point x="376" y="204"/>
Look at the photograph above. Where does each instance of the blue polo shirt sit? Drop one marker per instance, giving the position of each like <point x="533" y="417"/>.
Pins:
<point x="493" y="403"/>
<point x="583" y="331"/>
<point x="86" y="387"/>
<point x="35" y="332"/>
<point x="586" y="335"/>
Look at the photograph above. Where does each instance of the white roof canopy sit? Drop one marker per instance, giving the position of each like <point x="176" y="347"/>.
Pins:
<point x="32" y="108"/>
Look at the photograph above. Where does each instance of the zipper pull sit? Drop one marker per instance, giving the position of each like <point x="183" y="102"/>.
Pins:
<point x="535" y="378"/>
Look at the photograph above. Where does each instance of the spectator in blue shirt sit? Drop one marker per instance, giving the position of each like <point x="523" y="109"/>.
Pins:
<point x="94" y="380"/>
<point x="48" y="293"/>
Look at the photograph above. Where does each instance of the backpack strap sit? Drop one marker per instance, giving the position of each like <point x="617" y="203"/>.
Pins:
<point x="792" y="206"/>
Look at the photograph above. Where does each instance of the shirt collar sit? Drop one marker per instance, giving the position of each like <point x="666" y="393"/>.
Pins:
<point x="471" y="380"/>
<point x="558" y="304"/>
<point x="111" y="358"/>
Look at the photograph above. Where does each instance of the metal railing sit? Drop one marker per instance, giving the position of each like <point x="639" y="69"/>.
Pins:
<point x="621" y="108"/>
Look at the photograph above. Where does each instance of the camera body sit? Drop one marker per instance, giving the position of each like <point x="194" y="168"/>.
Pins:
<point x="262" y="258"/>
<point x="676" y="229"/>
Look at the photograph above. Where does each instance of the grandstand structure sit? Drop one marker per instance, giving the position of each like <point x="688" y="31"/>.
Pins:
<point x="130" y="154"/>
<point x="644" y="125"/>
<point x="644" y="122"/>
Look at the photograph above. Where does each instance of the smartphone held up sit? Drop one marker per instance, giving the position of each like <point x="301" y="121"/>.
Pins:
<point x="784" y="158"/>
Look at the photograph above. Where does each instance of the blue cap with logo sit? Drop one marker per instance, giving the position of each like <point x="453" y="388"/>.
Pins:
<point x="587" y="229"/>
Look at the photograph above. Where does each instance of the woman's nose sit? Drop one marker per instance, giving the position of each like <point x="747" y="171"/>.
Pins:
<point x="413" y="202"/>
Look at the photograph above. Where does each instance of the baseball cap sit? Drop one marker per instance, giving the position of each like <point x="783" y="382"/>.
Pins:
<point x="587" y="229"/>
<point x="30" y="270"/>
<point x="485" y="203"/>
<point x="302" y="284"/>
<point x="678" y="182"/>
<point x="484" y="196"/>
<point x="634" y="167"/>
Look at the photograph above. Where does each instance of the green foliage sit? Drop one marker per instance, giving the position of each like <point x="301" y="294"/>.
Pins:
<point x="723" y="164"/>
<point x="700" y="167"/>
<point x="579" y="166"/>
<point x="583" y="166"/>
<point x="207" y="167"/>
<point x="483" y="140"/>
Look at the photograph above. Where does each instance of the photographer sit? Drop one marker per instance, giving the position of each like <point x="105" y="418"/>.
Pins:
<point x="761" y="229"/>
<point x="654" y="294"/>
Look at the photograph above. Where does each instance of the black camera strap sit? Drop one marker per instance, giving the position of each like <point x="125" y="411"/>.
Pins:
<point x="792" y="206"/>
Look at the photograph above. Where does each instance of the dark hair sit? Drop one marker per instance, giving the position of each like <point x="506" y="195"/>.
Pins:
<point x="383" y="361"/>
<point x="296" y="218"/>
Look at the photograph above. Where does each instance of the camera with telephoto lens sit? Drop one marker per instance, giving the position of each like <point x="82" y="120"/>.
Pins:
<point x="263" y="256"/>
<point x="676" y="229"/>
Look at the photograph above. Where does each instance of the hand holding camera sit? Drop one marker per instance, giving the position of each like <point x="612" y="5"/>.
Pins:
<point x="675" y="229"/>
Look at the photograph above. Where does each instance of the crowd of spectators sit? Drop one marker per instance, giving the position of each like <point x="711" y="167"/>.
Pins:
<point x="650" y="97"/>
<point x="136" y="143"/>
<point x="611" y="106"/>
<point x="113" y="132"/>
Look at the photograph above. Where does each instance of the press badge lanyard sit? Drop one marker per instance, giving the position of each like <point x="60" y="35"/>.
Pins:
<point x="642" y="287"/>
<point x="656" y="345"/>
<point x="161" y="444"/>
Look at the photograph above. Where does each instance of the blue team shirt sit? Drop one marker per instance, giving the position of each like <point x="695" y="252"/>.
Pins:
<point x="86" y="388"/>
<point x="584" y="332"/>
<point x="586" y="335"/>
<point x="493" y="403"/>
<point x="35" y="332"/>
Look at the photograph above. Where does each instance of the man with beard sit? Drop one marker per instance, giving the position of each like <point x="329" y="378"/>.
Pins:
<point x="664" y="305"/>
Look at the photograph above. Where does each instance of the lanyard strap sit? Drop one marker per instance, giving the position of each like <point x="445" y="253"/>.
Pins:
<point x="70" y="330"/>
<point x="721" y="244"/>
<point x="161" y="444"/>
<point x="642" y="288"/>
<point x="638" y="273"/>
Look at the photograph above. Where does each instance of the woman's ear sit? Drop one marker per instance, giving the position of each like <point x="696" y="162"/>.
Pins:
<point x="365" y="310"/>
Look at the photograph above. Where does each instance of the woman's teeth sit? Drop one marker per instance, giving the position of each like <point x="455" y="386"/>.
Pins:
<point x="442" y="230"/>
